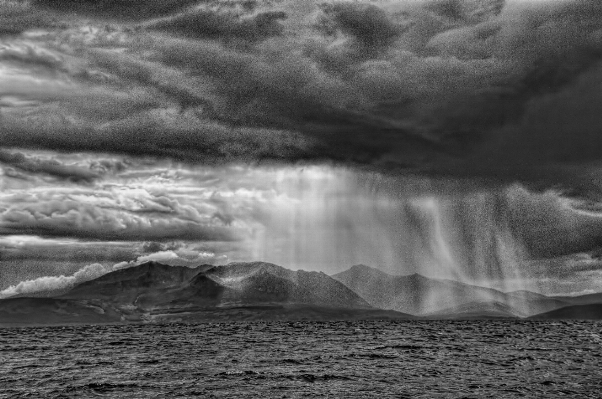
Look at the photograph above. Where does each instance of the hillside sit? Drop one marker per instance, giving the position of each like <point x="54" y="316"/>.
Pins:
<point x="576" y="312"/>
<point x="420" y="295"/>
<point x="155" y="292"/>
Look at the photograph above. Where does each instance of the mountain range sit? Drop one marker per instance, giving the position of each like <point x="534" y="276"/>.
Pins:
<point x="420" y="295"/>
<point x="153" y="292"/>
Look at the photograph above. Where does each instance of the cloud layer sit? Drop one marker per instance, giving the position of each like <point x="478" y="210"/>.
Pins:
<point x="316" y="218"/>
<point x="439" y="86"/>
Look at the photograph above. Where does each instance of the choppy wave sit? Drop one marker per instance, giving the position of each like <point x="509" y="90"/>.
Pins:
<point x="292" y="359"/>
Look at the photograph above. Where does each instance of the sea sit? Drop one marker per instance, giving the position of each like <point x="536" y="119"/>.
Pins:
<point x="345" y="359"/>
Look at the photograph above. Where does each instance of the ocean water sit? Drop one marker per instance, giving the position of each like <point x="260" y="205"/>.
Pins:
<point x="401" y="359"/>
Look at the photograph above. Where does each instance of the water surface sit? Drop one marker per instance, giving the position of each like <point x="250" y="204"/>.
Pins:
<point x="471" y="359"/>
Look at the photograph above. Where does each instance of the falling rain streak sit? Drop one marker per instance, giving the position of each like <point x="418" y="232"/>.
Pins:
<point x="333" y="218"/>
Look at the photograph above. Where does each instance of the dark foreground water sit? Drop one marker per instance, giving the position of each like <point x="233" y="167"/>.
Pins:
<point x="471" y="359"/>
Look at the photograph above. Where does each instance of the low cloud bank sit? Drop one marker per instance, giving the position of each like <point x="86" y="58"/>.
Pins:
<point x="55" y="283"/>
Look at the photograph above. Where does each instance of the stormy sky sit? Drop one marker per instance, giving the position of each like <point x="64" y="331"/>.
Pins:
<point x="456" y="138"/>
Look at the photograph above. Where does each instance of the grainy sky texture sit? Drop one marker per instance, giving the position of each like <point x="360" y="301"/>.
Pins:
<point x="448" y="137"/>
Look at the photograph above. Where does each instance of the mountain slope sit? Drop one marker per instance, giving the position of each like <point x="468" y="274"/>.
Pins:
<point x="261" y="282"/>
<point x="576" y="312"/>
<point x="587" y="299"/>
<point x="533" y="303"/>
<point x="473" y="310"/>
<point x="419" y="295"/>
<point x="153" y="284"/>
<point x="125" y="284"/>
<point x="156" y="292"/>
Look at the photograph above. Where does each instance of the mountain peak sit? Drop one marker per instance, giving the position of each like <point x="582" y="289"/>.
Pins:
<point x="242" y="269"/>
<point x="361" y="271"/>
<point x="153" y="285"/>
<point x="362" y="267"/>
<point x="416" y="276"/>
<point x="146" y="275"/>
<point x="150" y="266"/>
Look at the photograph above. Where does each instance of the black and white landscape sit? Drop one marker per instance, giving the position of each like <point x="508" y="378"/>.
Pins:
<point x="395" y="182"/>
<point x="157" y="293"/>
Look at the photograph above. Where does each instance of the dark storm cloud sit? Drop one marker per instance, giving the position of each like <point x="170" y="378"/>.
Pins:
<point x="18" y="16"/>
<point x="470" y="88"/>
<point x="115" y="9"/>
<point x="549" y="226"/>
<point x="222" y="25"/>
<point x="563" y="126"/>
<point x="368" y="24"/>
<point x="175" y="135"/>
<point x="472" y="11"/>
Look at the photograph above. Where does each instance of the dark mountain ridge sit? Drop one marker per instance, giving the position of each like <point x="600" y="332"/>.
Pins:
<point x="574" y="312"/>
<point x="587" y="299"/>
<point x="153" y="292"/>
<point x="424" y="296"/>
